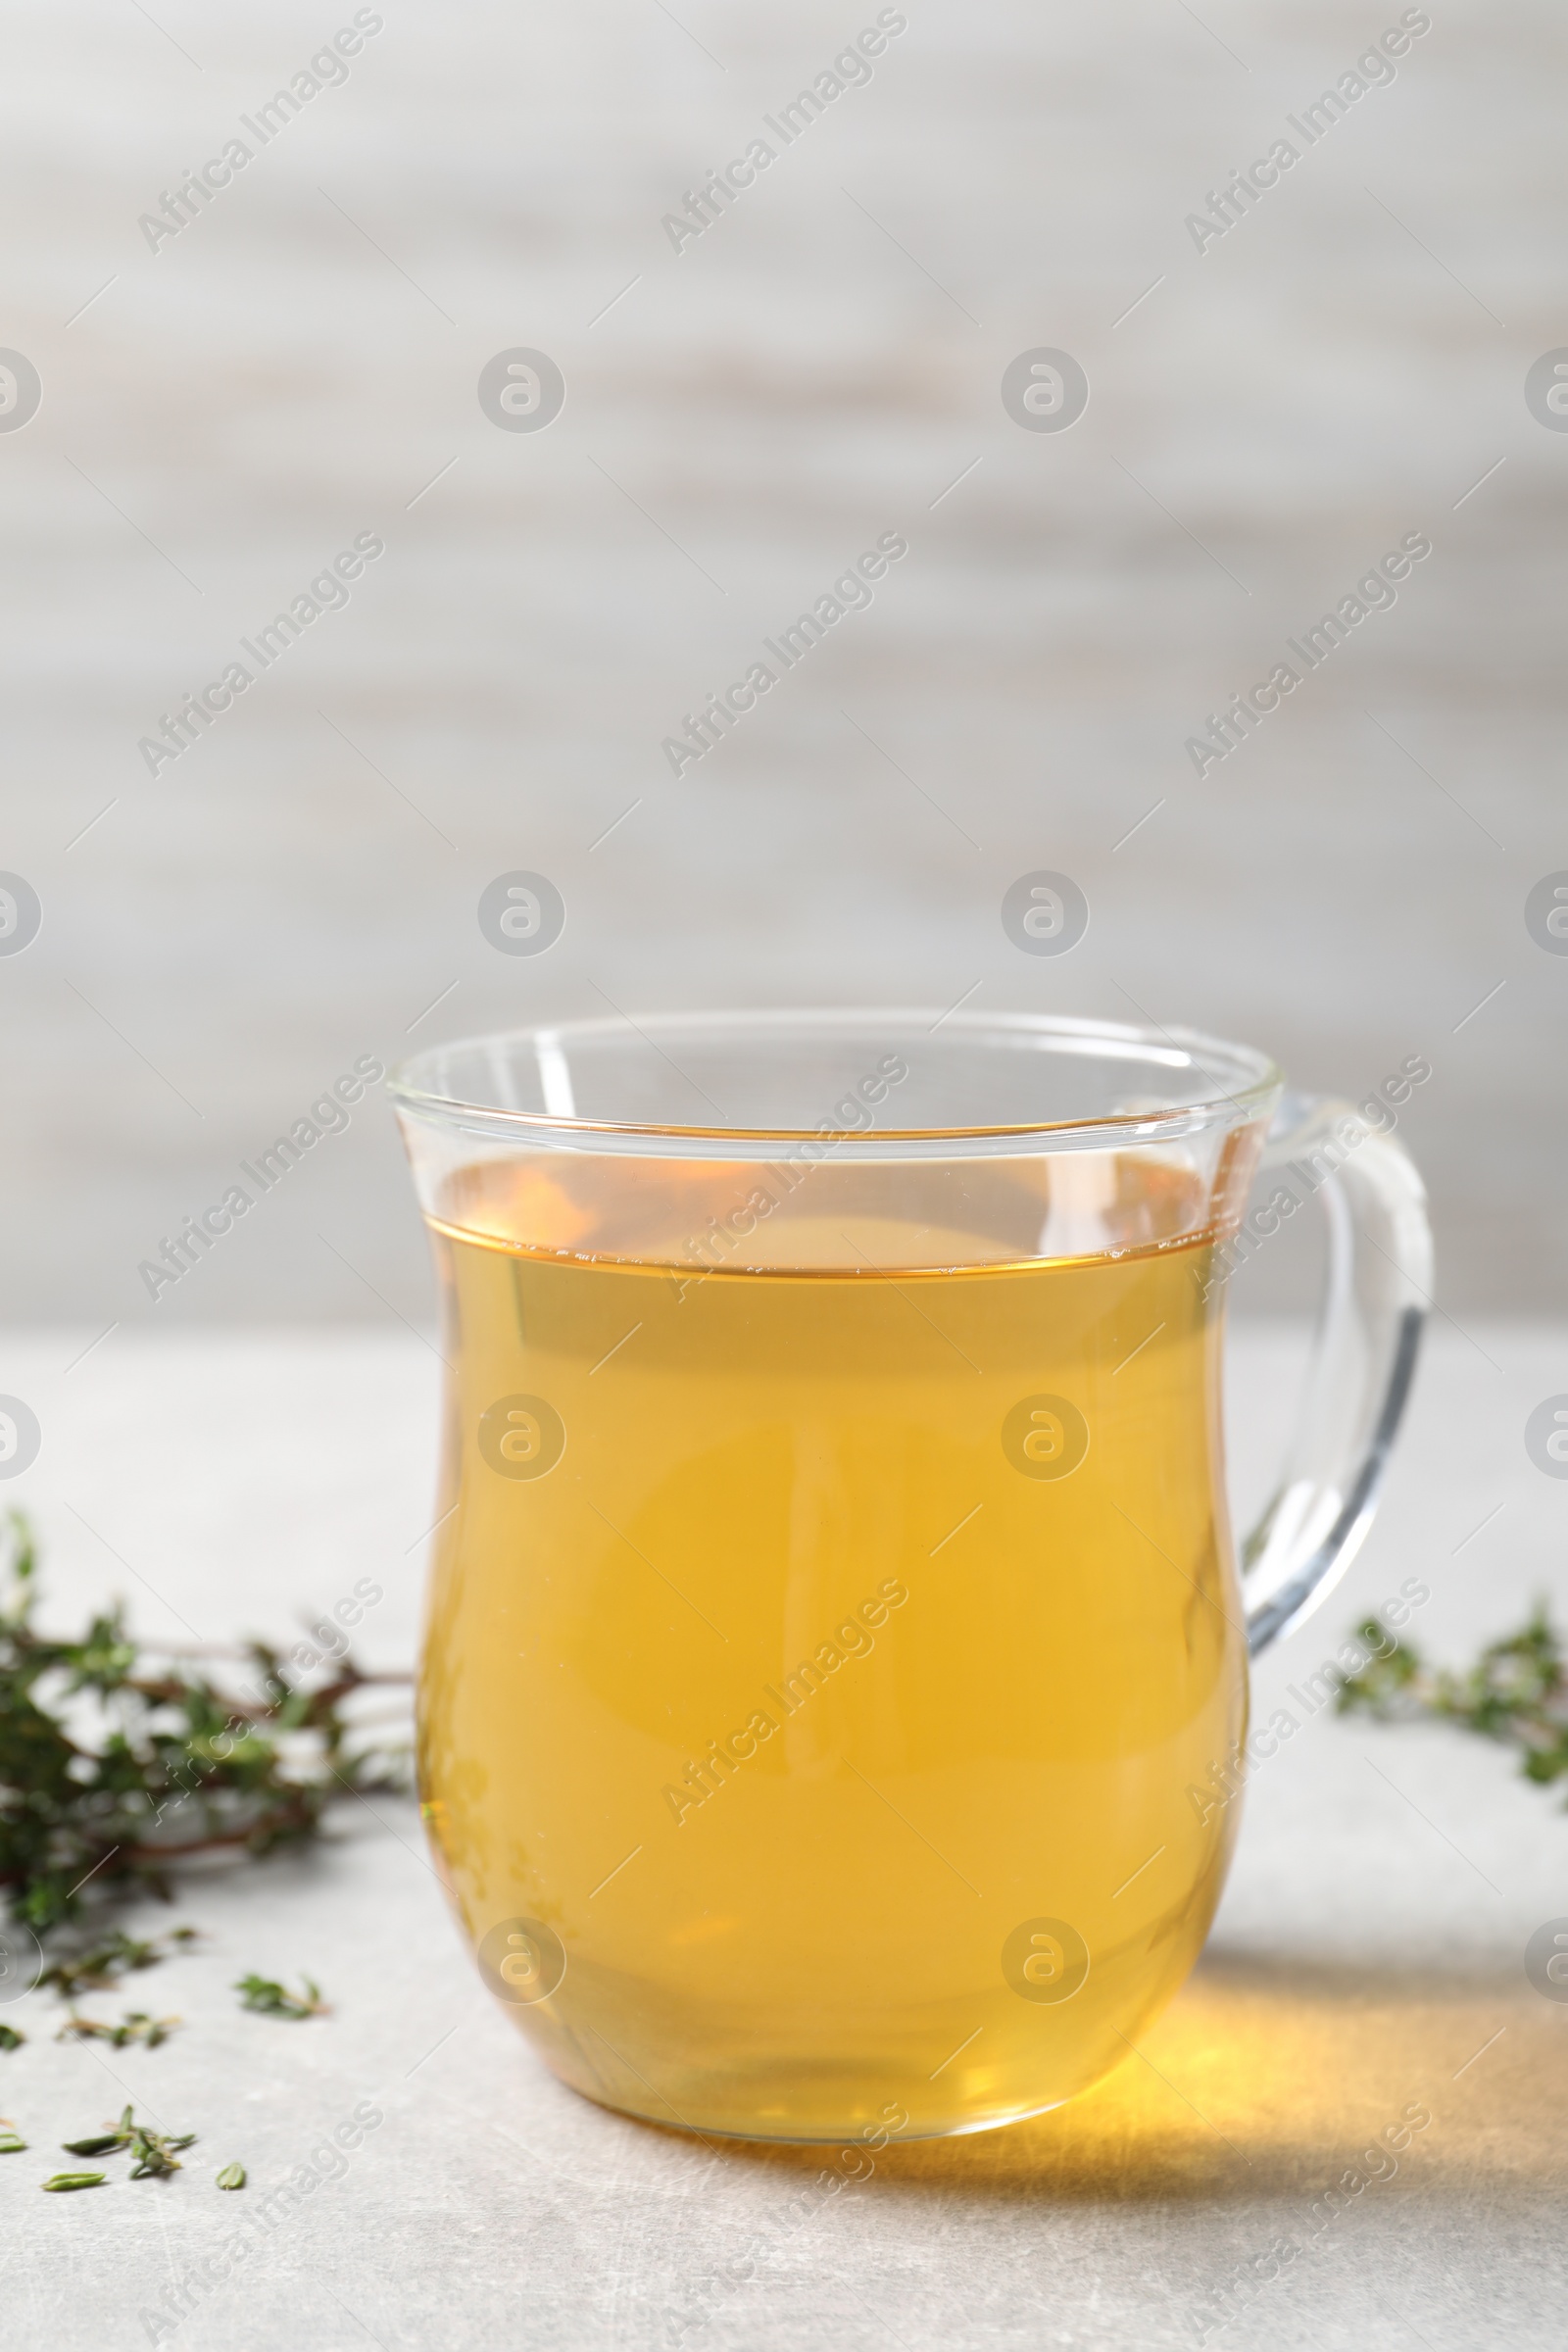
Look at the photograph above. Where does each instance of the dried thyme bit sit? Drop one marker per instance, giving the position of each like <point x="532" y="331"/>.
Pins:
<point x="118" y="2135"/>
<point x="134" y="2026"/>
<point x="155" y="2152"/>
<point x="10" y="2144"/>
<point x="152" y="2152"/>
<point x="232" y="2176"/>
<point x="1515" y="1693"/>
<point x="10" y="2039"/>
<point x="74" y="2181"/>
<point x="275" y="2000"/>
<point x="112" y="1957"/>
<point x="101" y="1964"/>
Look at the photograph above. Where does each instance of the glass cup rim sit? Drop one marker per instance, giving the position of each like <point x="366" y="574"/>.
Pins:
<point x="1256" y="1080"/>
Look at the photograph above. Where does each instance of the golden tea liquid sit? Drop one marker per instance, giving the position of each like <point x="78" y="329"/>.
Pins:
<point x="821" y="1645"/>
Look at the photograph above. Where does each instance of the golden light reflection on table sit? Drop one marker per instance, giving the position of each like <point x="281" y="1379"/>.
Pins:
<point x="1264" y="2082"/>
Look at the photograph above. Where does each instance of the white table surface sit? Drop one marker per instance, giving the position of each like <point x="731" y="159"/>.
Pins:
<point x="1370" y="1943"/>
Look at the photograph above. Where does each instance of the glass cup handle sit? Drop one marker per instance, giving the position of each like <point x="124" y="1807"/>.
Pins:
<point x="1363" y="1360"/>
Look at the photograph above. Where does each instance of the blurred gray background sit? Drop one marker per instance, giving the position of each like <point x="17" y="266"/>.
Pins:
<point x="299" y="365"/>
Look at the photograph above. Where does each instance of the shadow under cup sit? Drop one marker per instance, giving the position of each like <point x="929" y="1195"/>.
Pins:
<point x="834" y="1604"/>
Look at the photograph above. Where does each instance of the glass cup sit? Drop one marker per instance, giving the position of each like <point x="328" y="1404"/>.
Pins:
<point x="835" y="1662"/>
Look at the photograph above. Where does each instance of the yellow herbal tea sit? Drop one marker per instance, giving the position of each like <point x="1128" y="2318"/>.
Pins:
<point x="833" y="1612"/>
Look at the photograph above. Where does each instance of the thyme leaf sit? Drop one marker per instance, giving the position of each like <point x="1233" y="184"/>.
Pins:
<point x="267" y="1995"/>
<point x="232" y="2176"/>
<point x="75" y="2181"/>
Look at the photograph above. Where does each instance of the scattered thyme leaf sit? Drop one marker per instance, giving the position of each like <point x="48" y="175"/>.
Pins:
<point x="74" y="2181"/>
<point x="232" y="2176"/>
<point x="10" y="2039"/>
<point x="152" y="2152"/>
<point x="265" y="1994"/>
<point x="135" y="2026"/>
<point x="103" y="1962"/>
<point x="118" y="1763"/>
<point x="155" y="2152"/>
<point x="116" y="2135"/>
<point x="1516" y="1693"/>
<point x="10" y="2144"/>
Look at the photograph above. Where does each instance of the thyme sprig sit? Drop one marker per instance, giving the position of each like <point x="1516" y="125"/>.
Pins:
<point x="1516" y="1693"/>
<point x="112" y="1956"/>
<point x="153" y="2153"/>
<point x="134" y="2027"/>
<point x="275" y="1999"/>
<point x="119" y="1763"/>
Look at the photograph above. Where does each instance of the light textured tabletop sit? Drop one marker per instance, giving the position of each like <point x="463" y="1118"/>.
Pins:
<point x="1368" y="1959"/>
